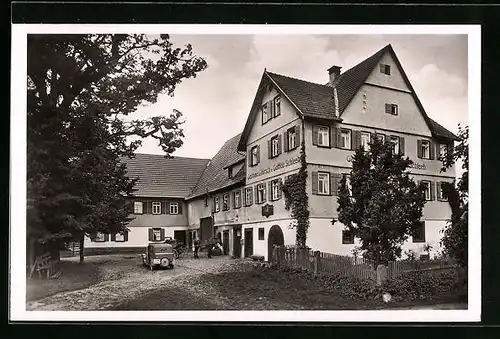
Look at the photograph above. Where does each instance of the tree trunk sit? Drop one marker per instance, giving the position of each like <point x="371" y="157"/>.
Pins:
<point x="82" y="237"/>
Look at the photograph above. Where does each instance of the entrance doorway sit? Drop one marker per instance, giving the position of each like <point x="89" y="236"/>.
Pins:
<point x="237" y="241"/>
<point x="275" y="237"/>
<point x="248" y="242"/>
<point x="180" y="237"/>
<point x="225" y="242"/>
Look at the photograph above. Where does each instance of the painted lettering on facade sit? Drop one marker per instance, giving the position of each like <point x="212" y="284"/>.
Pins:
<point x="276" y="167"/>
<point x="418" y="166"/>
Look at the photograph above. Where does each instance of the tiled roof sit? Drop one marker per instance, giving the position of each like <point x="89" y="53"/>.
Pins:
<point x="215" y="176"/>
<point x="164" y="177"/>
<point x="313" y="100"/>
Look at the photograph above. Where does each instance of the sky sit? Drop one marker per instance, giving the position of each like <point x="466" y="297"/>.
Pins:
<point x="217" y="102"/>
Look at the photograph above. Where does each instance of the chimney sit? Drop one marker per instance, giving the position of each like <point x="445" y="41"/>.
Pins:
<point x="334" y="73"/>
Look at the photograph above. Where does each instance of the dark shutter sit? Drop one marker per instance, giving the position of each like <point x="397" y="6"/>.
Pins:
<point x="356" y="139"/>
<point x="132" y="206"/>
<point x="280" y="184"/>
<point x="335" y="183"/>
<point x="285" y="141"/>
<point x="269" y="148"/>
<point x="388" y="108"/>
<point x="450" y="148"/>
<point x="250" y="201"/>
<point x="297" y="135"/>
<point x="332" y="183"/>
<point x="270" y="190"/>
<point x="149" y="207"/>
<point x="249" y="157"/>
<point x="150" y="234"/>
<point x="433" y="190"/>
<point x="162" y="234"/>
<point x="432" y="150"/>
<point x="234" y="199"/>
<point x="258" y="154"/>
<point x="315" y="134"/>
<point x="401" y="145"/>
<point x="213" y="204"/>
<point x="125" y="235"/>
<point x="333" y="136"/>
<point x="106" y="236"/>
<point x="256" y="193"/>
<point x="279" y="143"/>
<point x="113" y="237"/>
<point x="180" y="207"/>
<point x="314" y="182"/>
<point x="419" y="148"/>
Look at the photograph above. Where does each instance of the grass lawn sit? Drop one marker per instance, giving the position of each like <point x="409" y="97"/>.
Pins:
<point x="75" y="276"/>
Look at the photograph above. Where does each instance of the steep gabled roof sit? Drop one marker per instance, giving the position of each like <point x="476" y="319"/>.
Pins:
<point x="215" y="176"/>
<point x="164" y="177"/>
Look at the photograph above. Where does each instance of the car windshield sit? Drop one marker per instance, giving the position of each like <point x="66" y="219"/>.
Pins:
<point x="161" y="248"/>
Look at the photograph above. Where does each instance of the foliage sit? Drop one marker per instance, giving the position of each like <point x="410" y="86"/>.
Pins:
<point x="385" y="204"/>
<point x="296" y="198"/>
<point x="81" y="89"/>
<point x="456" y="232"/>
<point x="410" y="255"/>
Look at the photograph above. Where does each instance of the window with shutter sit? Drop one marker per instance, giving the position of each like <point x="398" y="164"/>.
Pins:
<point x="427" y="189"/>
<point x="156" y="207"/>
<point x="345" y="139"/>
<point x="291" y="136"/>
<point x="323" y="183"/>
<point x="137" y="207"/>
<point x="347" y="237"/>
<point x="432" y="150"/>
<point x="333" y="136"/>
<point x="297" y="135"/>
<point x="274" y="146"/>
<point x="277" y="105"/>
<point x="248" y="196"/>
<point x="335" y="183"/>
<point x="419" y="233"/>
<point x="174" y="208"/>
<point x="364" y="140"/>
<point x="401" y="145"/>
<point x="323" y="136"/>
<point x="151" y="235"/>
<point x="254" y="155"/>
<point x="315" y="135"/>
<point x="419" y="148"/>
<point x="433" y="190"/>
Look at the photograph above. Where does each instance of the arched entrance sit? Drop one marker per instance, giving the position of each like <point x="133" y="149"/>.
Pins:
<point x="275" y="237"/>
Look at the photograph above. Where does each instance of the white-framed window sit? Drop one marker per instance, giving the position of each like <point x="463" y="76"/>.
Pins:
<point x="290" y="134"/>
<point x="248" y="196"/>
<point x="345" y="139"/>
<point x="385" y="69"/>
<point x="265" y="114"/>
<point x="174" y="208"/>
<point x="255" y="156"/>
<point x="237" y="199"/>
<point x="138" y="207"/>
<point x="216" y="204"/>
<point x="391" y="109"/>
<point x="275" y="190"/>
<point x="323" y="136"/>
<point x="261" y="193"/>
<point x="277" y="105"/>
<point x="225" y="202"/>
<point x="100" y="237"/>
<point x="275" y="146"/>
<point x="323" y="183"/>
<point x="157" y="234"/>
<point x="365" y="140"/>
<point x="395" y="143"/>
<point x="120" y="237"/>
<point x="443" y="151"/>
<point x="156" y="206"/>
<point x="427" y="189"/>
<point x="425" y="149"/>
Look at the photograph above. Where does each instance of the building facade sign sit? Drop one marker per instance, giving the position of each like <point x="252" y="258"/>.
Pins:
<point x="276" y="167"/>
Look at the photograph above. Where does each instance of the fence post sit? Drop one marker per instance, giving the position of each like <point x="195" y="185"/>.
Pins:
<point x="381" y="274"/>
<point x="316" y="262"/>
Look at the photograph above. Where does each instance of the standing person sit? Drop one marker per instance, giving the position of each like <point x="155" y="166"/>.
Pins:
<point x="196" y="248"/>
<point x="209" y="249"/>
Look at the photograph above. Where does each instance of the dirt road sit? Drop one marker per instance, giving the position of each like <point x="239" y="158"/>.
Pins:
<point x="124" y="278"/>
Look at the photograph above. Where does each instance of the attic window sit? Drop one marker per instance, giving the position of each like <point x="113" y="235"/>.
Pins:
<point x="230" y="172"/>
<point x="385" y="69"/>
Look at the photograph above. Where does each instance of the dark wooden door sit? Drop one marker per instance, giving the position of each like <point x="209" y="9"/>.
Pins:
<point x="180" y="237"/>
<point x="225" y="242"/>
<point x="275" y="237"/>
<point x="206" y="229"/>
<point x="237" y="242"/>
<point x="189" y="239"/>
<point x="248" y="242"/>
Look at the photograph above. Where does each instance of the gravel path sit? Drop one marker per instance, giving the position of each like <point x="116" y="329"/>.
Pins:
<point x="124" y="278"/>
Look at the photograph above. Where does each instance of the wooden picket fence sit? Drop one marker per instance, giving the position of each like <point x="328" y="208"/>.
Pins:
<point x="396" y="268"/>
<point x="321" y="262"/>
<point x="358" y="267"/>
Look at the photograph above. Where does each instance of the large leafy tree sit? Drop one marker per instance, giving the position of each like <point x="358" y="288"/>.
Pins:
<point x="455" y="235"/>
<point x="81" y="89"/>
<point x="384" y="205"/>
